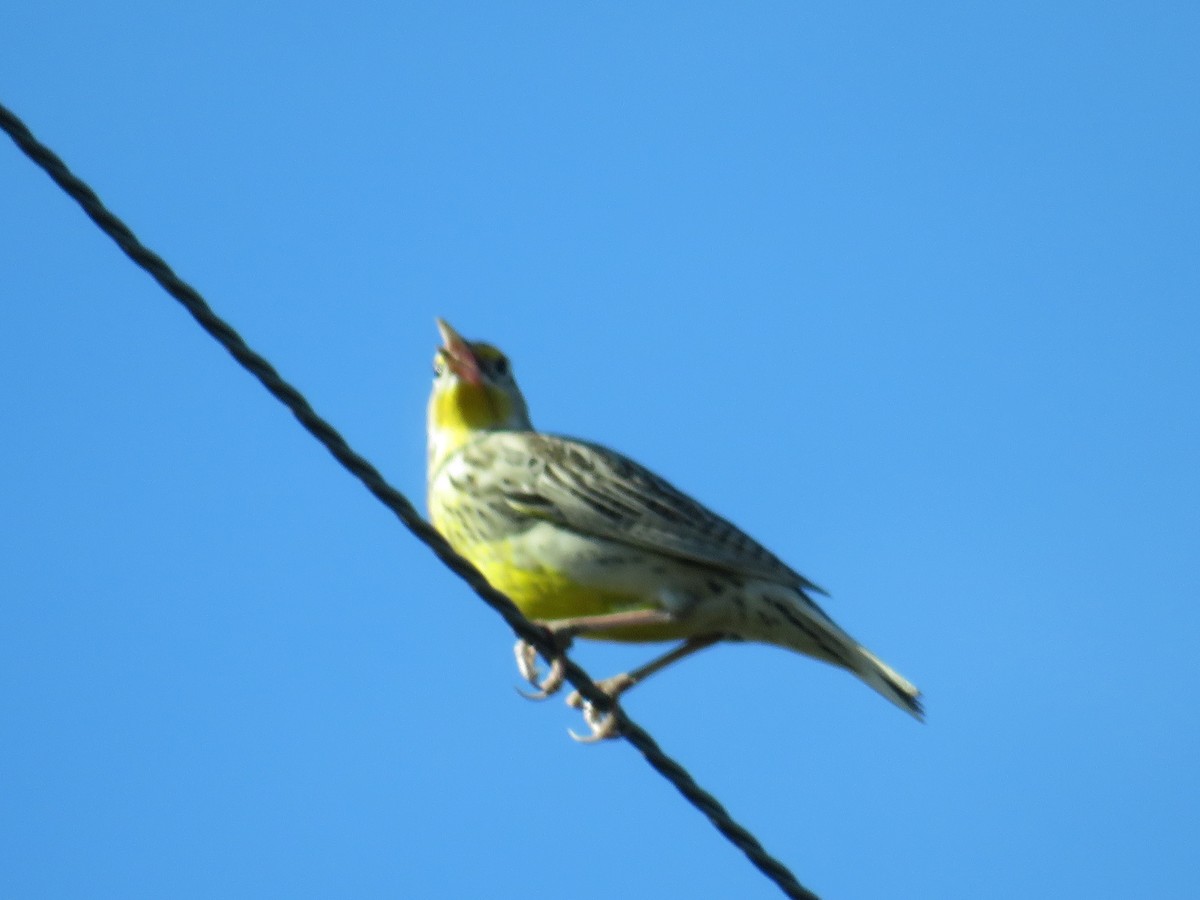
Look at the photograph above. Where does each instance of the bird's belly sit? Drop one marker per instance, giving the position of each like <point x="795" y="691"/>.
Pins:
<point x="551" y="573"/>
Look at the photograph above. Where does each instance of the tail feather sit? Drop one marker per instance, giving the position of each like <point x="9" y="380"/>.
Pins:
<point x="891" y="684"/>
<point x="793" y="620"/>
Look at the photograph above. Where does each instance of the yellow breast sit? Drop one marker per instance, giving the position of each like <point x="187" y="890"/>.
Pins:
<point x="541" y="591"/>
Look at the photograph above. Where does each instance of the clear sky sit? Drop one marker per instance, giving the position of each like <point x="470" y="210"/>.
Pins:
<point x="912" y="294"/>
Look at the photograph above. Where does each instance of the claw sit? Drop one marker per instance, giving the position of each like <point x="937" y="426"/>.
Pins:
<point x="603" y="724"/>
<point x="526" y="661"/>
<point x="604" y="727"/>
<point x="548" y="685"/>
<point x="528" y="667"/>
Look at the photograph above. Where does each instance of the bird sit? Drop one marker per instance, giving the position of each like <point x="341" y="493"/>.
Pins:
<point x="588" y="543"/>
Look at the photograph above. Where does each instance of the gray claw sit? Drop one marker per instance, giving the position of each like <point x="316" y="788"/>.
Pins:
<point x="548" y="685"/>
<point x="526" y="661"/>
<point x="604" y="726"/>
<point x="527" y="665"/>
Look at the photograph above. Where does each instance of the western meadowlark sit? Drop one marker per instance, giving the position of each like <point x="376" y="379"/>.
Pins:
<point x="588" y="543"/>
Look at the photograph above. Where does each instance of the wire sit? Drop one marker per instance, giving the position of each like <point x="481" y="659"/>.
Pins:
<point x="320" y="429"/>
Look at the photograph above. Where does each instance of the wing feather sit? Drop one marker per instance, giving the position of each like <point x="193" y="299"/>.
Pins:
<point x="596" y="491"/>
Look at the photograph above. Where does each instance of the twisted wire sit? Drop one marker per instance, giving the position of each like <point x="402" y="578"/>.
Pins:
<point x="370" y="477"/>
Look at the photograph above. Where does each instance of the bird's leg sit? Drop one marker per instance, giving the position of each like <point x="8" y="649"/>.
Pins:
<point x="562" y="631"/>
<point x="604" y="725"/>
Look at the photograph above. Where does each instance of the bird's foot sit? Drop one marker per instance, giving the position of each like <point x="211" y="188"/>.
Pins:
<point x="604" y="724"/>
<point x="527" y="665"/>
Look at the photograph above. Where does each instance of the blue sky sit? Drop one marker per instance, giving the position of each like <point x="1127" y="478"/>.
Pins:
<point x="910" y="294"/>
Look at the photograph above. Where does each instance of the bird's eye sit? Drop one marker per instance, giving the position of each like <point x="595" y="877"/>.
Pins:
<point x="438" y="368"/>
<point x="500" y="366"/>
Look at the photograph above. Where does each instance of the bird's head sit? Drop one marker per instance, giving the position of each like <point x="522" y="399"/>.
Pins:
<point x="473" y="391"/>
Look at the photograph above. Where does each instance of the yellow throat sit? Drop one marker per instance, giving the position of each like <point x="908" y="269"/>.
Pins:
<point x="473" y="392"/>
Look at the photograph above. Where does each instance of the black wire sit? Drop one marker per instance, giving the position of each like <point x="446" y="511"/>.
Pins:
<point x="395" y="501"/>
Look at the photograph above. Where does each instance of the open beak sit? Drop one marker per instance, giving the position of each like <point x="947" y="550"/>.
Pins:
<point x="458" y="355"/>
